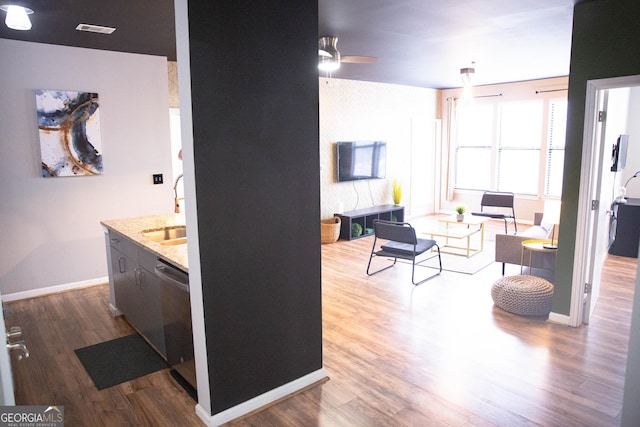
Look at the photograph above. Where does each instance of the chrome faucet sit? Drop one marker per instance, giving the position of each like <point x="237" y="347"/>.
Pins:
<point x="176" y="200"/>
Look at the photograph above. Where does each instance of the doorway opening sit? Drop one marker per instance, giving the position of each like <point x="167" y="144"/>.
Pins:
<point x="609" y="103"/>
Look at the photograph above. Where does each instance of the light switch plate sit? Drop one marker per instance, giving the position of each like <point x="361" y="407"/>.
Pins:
<point x="157" y="178"/>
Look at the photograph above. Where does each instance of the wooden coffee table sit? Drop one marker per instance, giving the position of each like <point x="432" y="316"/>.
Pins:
<point x="455" y="230"/>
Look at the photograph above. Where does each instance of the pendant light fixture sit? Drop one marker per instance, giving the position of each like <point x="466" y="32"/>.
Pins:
<point x="17" y="17"/>
<point x="466" y="74"/>
<point x="328" y="55"/>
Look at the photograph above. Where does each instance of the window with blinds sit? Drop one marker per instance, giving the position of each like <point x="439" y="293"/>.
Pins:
<point x="515" y="146"/>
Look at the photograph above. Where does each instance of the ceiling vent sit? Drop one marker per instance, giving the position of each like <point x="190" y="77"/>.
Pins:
<point x="95" y="28"/>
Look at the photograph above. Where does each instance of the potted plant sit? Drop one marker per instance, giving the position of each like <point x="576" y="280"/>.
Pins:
<point x="356" y="230"/>
<point x="397" y="192"/>
<point x="460" y="210"/>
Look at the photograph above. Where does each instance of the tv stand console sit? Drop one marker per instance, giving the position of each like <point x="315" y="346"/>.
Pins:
<point x="365" y="218"/>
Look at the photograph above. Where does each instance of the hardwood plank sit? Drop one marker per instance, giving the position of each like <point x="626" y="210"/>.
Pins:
<point x="454" y="359"/>
<point x="439" y="354"/>
<point x="53" y="327"/>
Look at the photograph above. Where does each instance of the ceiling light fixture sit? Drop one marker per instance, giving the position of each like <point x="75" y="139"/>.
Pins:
<point x="467" y="75"/>
<point x="17" y="17"/>
<point x="329" y="57"/>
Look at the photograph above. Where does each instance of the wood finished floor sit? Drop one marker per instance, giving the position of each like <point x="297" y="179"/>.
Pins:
<point x="438" y="354"/>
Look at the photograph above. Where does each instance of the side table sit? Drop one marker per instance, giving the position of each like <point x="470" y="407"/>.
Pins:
<point x="534" y="245"/>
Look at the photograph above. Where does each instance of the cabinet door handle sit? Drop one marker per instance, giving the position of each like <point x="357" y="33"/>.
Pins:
<point x="140" y="278"/>
<point x="114" y="240"/>
<point x="122" y="266"/>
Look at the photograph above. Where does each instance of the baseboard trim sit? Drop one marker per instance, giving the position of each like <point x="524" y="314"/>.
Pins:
<point x="261" y="400"/>
<point x="203" y="414"/>
<point x="16" y="296"/>
<point x="114" y="311"/>
<point x="562" y="319"/>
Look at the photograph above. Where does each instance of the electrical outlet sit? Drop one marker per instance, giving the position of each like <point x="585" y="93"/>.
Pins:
<point x="157" y="178"/>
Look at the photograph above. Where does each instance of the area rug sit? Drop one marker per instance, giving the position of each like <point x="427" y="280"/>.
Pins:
<point x="462" y="264"/>
<point x="123" y="359"/>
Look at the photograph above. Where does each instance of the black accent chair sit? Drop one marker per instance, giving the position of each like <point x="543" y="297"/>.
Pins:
<point x="496" y="199"/>
<point x="401" y="243"/>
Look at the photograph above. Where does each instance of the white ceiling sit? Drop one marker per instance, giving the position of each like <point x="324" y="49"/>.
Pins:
<point x="426" y="42"/>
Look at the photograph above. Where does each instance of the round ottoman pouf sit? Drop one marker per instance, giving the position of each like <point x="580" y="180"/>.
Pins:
<point x="523" y="295"/>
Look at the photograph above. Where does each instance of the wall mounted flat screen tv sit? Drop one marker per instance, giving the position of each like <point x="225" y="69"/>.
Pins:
<point x="361" y="160"/>
<point x="619" y="153"/>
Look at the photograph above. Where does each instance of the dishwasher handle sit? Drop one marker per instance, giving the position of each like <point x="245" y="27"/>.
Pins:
<point x="172" y="275"/>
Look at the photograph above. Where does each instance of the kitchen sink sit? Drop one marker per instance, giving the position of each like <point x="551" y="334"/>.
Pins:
<point x="168" y="236"/>
<point x="177" y="241"/>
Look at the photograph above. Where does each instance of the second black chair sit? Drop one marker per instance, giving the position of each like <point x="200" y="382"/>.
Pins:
<point x="401" y="243"/>
<point x="503" y="200"/>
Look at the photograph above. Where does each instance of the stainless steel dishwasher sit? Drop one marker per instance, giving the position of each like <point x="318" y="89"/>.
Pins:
<point x="176" y="315"/>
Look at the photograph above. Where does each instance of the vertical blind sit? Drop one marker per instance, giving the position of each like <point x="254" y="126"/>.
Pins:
<point x="555" y="154"/>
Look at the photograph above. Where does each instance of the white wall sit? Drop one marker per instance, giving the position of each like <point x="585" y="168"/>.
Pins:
<point x="51" y="233"/>
<point x="633" y="154"/>
<point x="356" y="111"/>
<point x="617" y="123"/>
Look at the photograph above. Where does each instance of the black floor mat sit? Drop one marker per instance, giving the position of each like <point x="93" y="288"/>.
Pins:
<point x="120" y="360"/>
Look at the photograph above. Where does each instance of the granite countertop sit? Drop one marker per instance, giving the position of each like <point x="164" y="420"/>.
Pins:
<point x="134" y="227"/>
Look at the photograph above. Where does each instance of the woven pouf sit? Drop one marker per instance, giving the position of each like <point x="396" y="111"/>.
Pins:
<point x="523" y="295"/>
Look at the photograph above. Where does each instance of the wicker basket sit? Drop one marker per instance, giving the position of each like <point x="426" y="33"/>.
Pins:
<point x="330" y="229"/>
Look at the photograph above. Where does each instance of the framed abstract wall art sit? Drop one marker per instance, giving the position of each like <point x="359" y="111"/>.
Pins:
<point x="69" y="131"/>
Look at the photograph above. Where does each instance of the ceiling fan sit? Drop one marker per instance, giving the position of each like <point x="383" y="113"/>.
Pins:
<point x="329" y="57"/>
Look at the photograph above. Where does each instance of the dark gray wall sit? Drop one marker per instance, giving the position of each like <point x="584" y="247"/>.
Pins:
<point x="255" y="123"/>
<point x="606" y="43"/>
